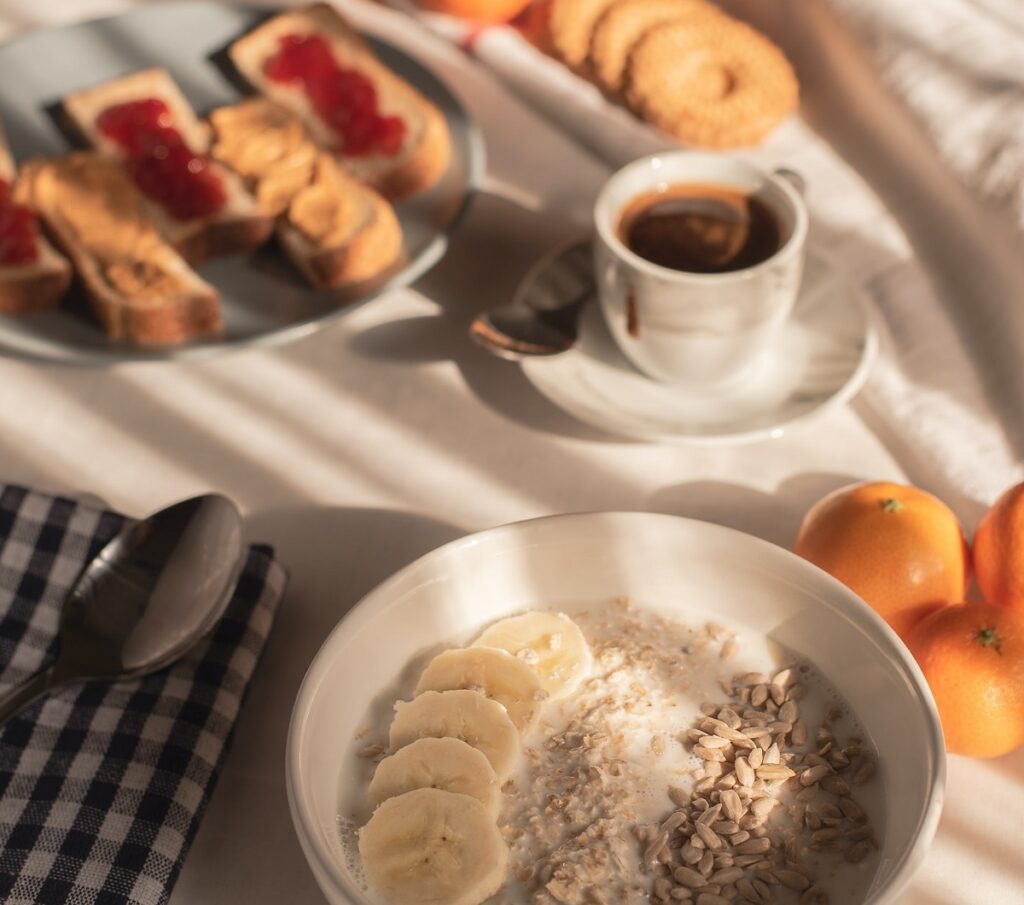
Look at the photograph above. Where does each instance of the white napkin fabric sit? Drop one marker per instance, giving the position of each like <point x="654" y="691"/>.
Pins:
<point x="959" y="65"/>
<point x="925" y="388"/>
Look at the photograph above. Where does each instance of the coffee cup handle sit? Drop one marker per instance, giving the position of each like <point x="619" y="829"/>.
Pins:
<point x="793" y="178"/>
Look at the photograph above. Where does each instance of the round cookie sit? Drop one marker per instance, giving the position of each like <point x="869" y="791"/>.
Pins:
<point x="714" y="84"/>
<point x="624" y="23"/>
<point x="570" y="24"/>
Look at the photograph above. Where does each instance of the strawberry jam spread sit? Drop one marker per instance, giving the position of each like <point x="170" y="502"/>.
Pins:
<point x="345" y="99"/>
<point x="162" y="165"/>
<point x="17" y="230"/>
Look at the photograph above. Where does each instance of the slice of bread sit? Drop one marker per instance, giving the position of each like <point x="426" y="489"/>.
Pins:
<point x="238" y="226"/>
<point x="426" y="148"/>
<point x="37" y="285"/>
<point x="336" y="230"/>
<point x="140" y="288"/>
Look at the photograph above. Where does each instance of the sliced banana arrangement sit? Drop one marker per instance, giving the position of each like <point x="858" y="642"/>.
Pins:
<point x="433" y="837"/>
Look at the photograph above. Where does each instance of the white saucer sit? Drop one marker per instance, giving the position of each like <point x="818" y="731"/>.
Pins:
<point x="820" y="360"/>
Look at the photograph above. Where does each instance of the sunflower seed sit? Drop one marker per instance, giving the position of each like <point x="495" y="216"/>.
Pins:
<point x="774" y="773"/>
<point x="739" y="838"/>
<point x="714" y="741"/>
<point x="796" y="692"/>
<point x="858" y="852"/>
<point x="731" y="804"/>
<point x="864" y="774"/>
<point x="690" y="854"/>
<point x="755" y="757"/>
<point x="792" y="880"/>
<point x="681" y="892"/>
<point x="829" y="834"/>
<point x="727" y="875"/>
<point x="744" y="772"/>
<point x="710" y="898"/>
<point x="688" y="877"/>
<point x="762" y="807"/>
<point x="799" y="734"/>
<point x="747" y="890"/>
<point x="772" y="755"/>
<point x="653" y="851"/>
<point x="815" y="774"/>
<point x="725" y="827"/>
<point x="752" y="678"/>
<point x="706" y="864"/>
<point x="729" y="649"/>
<point x="777" y="693"/>
<point x="709" y="816"/>
<point x="763" y="890"/>
<point x="835" y="785"/>
<point x="754" y="846"/>
<point x="727" y="733"/>
<point x="728" y="716"/>
<point x="759" y="695"/>
<point x="708" y="836"/>
<point x="789" y="712"/>
<point x="714" y="754"/>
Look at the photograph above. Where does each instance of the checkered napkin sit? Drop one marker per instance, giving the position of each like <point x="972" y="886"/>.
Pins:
<point x="102" y="787"/>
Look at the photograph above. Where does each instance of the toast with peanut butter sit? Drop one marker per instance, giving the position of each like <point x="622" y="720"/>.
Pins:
<point x="336" y="230"/>
<point x="144" y="121"/>
<point x="33" y="276"/>
<point x="313" y="63"/>
<point x="140" y="288"/>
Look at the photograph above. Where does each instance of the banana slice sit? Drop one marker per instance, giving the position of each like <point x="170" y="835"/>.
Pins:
<point x="480" y="722"/>
<point x="431" y="847"/>
<point x="437" y="763"/>
<point x="494" y="672"/>
<point x="549" y="642"/>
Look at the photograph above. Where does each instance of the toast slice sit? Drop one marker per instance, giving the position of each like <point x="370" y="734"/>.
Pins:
<point x="425" y="148"/>
<point x="31" y="285"/>
<point x="336" y="230"/>
<point x="139" y="287"/>
<point x="237" y="226"/>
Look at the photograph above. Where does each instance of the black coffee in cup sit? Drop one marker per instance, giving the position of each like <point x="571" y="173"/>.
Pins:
<point x="700" y="228"/>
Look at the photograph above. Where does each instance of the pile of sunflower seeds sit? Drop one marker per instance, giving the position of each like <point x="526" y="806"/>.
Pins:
<point x="767" y="800"/>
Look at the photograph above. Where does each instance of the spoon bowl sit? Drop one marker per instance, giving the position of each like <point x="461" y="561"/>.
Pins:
<point x="543" y="316"/>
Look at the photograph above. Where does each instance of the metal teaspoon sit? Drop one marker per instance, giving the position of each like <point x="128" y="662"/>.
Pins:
<point x="148" y="596"/>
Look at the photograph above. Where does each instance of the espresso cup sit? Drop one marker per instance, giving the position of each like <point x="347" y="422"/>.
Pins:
<point x="697" y="329"/>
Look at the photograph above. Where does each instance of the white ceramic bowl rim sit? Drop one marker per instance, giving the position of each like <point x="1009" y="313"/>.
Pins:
<point x="851" y="607"/>
<point x="604" y="218"/>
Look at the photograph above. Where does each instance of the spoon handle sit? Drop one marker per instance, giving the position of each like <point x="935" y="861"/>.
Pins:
<point x="24" y="694"/>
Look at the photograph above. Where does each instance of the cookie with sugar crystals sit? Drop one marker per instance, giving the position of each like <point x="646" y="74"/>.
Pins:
<point x="570" y="25"/>
<point x="624" y="23"/>
<point x="714" y="84"/>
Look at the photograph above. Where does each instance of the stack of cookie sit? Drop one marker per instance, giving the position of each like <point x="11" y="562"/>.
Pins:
<point x="682" y="65"/>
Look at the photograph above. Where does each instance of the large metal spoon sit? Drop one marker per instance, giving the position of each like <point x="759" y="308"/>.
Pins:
<point x="149" y="595"/>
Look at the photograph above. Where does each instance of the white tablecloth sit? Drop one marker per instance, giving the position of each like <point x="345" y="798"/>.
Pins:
<point x="357" y="449"/>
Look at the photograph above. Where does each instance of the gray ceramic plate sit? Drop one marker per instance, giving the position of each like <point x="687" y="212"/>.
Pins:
<point x="264" y="299"/>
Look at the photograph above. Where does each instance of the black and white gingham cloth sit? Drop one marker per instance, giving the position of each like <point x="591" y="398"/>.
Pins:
<point x="102" y="787"/>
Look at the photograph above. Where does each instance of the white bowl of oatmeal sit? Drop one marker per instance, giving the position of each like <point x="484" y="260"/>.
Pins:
<point x="705" y="641"/>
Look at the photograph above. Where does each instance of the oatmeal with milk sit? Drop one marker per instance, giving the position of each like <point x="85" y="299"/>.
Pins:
<point x="618" y="757"/>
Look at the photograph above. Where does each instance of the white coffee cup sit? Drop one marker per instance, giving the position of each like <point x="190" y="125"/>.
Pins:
<point x="697" y="329"/>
